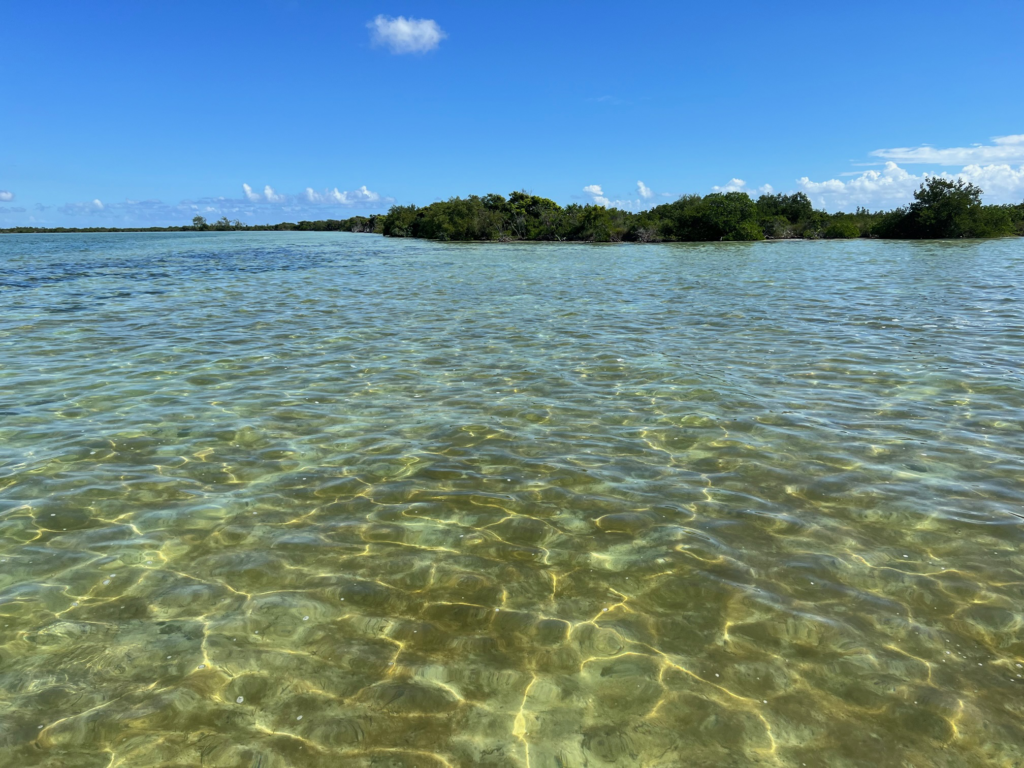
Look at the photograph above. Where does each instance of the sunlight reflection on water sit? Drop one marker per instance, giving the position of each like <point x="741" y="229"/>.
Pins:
<point x="293" y="499"/>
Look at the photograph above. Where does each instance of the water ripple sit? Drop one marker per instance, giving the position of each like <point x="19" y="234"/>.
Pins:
<point x="282" y="499"/>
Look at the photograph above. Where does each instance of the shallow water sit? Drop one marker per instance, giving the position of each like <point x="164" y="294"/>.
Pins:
<point x="326" y="499"/>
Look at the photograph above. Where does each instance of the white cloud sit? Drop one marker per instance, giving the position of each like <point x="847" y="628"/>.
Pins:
<point x="268" y="194"/>
<point x="1002" y="183"/>
<point x="5" y="196"/>
<point x="1003" y="149"/>
<point x="360" y="197"/>
<point x="598" y="197"/>
<point x="733" y="185"/>
<point x="739" y="185"/>
<point x="252" y="207"/>
<point x="402" y="35"/>
<point x="895" y="186"/>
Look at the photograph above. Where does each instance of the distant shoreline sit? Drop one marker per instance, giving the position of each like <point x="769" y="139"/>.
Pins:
<point x="178" y="231"/>
<point x="942" y="210"/>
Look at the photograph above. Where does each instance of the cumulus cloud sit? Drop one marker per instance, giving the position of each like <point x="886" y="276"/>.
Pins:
<point x="5" y="196"/>
<point x="360" y="197"/>
<point x="269" y="195"/>
<point x="739" y="185"/>
<point x="1003" y="149"/>
<point x="1002" y="183"/>
<point x="598" y="197"/>
<point x="402" y="35"/>
<point x="357" y="198"/>
<point x="894" y="186"/>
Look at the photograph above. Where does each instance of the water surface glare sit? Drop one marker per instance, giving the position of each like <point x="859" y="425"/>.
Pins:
<point x="285" y="499"/>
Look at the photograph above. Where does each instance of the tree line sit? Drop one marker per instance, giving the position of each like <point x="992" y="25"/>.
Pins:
<point x="942" y="208"/>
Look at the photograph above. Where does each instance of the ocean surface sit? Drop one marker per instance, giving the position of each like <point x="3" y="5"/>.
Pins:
<point x="322" y="499"/>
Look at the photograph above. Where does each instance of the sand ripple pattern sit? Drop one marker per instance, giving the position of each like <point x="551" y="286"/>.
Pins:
<point x="285" y="499"/>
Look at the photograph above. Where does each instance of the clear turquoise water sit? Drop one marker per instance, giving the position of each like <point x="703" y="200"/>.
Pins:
<point x="322" y="499"/>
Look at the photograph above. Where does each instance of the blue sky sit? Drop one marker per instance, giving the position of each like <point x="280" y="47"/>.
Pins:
<point x="146" y="113"/>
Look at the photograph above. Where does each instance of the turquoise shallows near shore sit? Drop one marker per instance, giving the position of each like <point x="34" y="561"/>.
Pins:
<point x="330" y="499"/>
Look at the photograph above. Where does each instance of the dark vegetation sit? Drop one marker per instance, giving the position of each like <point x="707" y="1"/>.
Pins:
<point x="941" y="209"/>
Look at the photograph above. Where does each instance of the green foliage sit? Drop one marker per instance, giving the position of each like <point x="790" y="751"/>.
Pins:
<point x="941" y="208"/>
<point x="992" y="221"/>
<point x="945" y="208"/>
<point x="841" y="228"/>
<point x="892" y="224"/>
<point x="790" y="208"/>
<point x="814" y="225"/>
<point x="746" y="230"/>
<point x="399" y="221"/>
<point x="223" y="224"/>
<point x="719" y="216"/>
<point x="726" y="216"/>
<point x="777" y="228"/>
<point x="1016" y="214"/>
<point x="521" y="217"/>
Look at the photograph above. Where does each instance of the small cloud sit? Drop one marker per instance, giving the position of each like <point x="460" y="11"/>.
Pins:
<point x="598" y="197"/>
<point x="359" y="197"/>
<point x="1003" y="149"/>
<point x="402" y="35"/>
<point x="733" y="185"/>
<point x="739" y="185"/>
<point x="5" y="196"/>
<point x="272" y="197"/>
<point x="894" y="185"/>
<point x="251" y="196"/>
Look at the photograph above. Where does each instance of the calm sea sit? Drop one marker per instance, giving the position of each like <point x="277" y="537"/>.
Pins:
<point x="284" y="499"/>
